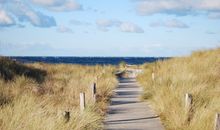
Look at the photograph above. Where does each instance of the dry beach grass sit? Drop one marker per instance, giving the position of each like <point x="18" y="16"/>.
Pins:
<point x="36" y="96"/>
<point x="199" y="75"/>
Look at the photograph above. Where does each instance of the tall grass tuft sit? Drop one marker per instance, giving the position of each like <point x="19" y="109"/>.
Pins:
<point x="199" y="75"/>
<point x="26" y="103"/>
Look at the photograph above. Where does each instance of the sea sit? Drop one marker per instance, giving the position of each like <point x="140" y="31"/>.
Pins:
<point x="89" y="60"/>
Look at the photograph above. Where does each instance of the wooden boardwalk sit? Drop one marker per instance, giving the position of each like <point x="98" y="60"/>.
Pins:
<point x="127" y="112"/>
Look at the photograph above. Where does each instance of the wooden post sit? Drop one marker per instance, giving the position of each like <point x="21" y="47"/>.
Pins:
<point x="153" y="76"/>
<point x="188" y="101"/>
<point x="188" y="106"/>
<point x="82" y="102"/>
<point x="217" y="122"/>
<point x="67" y="116"/>
<point x="94" y="92"/>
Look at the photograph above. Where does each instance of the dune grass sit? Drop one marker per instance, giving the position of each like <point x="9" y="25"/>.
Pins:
<point x="36" y="96"/>
<point x="198" y="74"/>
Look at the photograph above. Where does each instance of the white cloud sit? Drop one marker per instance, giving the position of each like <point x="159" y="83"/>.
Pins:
<point x="173" y="23"/>
<point x="38" y="19"/>
<point x="79" y="23"/>
<point x="130" y="27"/>
<point x="64" y="29"/>
<point x="48" y="2"/>
<point x="59" y="5"/>
<point x="24" y="13"/>
<point x="5" y="19"/>
<point x="105" y="24"/>
<point x="178" y="7"/>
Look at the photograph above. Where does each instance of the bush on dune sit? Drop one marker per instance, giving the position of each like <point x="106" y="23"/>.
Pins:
<point x="9" y="69"/>
<point x="199" y="75"/>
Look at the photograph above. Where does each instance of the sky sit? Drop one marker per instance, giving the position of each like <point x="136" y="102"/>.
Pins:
<point x="139" y="28"/>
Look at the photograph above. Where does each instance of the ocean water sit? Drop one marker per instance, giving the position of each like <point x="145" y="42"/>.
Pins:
<point x="90" y="60"/>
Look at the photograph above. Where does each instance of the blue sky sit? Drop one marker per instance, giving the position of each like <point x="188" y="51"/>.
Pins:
<point x="108" y="27"/>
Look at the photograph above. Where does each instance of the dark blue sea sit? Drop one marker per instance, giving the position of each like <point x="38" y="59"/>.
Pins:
<point x="90" y="60"/>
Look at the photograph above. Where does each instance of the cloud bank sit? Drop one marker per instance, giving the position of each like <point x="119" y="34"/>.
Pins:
<point x="178" y="7"/>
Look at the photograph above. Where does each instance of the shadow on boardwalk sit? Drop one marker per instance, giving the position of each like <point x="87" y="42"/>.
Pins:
<point x="130" y="120"/>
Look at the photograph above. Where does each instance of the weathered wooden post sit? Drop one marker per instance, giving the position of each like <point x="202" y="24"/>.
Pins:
<point x="66" y="116"/>
<point x="188" y="106"/>
<point x="217" y="122"/>
<point x="82" y="102"/>
<point x="188" y="101"/>
<point x="153" y="76"/>
<point x="93" y="89"/>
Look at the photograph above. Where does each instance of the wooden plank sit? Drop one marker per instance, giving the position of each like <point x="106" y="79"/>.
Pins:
<point x="82" y="102"/>
<point x="217" y="122"/>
